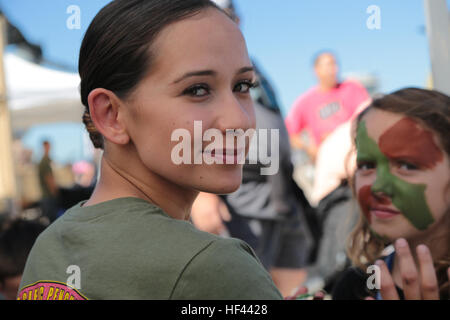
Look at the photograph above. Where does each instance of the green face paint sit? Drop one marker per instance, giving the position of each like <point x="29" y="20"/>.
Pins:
<point x="408" y="198"/>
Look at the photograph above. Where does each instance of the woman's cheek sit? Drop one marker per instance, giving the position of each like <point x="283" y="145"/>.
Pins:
<point x="364" y="196"/>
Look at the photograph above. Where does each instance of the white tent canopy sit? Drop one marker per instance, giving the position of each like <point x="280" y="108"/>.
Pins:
<point x="38" y="95"/>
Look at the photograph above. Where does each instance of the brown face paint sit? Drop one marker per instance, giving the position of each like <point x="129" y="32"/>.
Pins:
<point x="408" y="141"/>
<point x="364" y="196"/>
<point x="368" y="200"/>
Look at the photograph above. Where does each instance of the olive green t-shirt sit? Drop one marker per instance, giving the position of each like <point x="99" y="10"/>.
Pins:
<point x="128" y="248"/>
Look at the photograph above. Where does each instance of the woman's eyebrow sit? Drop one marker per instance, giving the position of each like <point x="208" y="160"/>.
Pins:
<point x="208" y="73"/>
<point x="245" y="69"/>
<point x="196" y="74"/>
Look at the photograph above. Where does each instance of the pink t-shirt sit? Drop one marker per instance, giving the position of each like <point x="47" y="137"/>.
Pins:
<point x="321" y="112"/>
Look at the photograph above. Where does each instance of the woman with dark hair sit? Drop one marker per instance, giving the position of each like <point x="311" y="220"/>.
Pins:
<point x="150" y="68"/>
<point x="402" y="184"/>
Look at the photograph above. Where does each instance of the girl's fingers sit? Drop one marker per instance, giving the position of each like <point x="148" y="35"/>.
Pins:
<point x="387" y="286"/>
<point x="429" y="283"/>
<point x="408" y="270"/>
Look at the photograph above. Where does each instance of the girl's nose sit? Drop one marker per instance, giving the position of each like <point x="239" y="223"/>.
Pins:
<point x="384" y="182"/>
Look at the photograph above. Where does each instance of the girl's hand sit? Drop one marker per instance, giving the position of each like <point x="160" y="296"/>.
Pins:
<point x="417" y="284"/>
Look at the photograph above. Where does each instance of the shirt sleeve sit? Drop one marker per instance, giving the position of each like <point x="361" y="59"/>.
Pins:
<point x="295" y="121"/>
<point x="227" y="269"/>
<point x="359" y="95"/>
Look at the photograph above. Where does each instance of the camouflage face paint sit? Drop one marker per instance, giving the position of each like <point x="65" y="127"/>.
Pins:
<point x="364" y="199"/>
<point x="408" y="198"/>
<point x="407" y="140"/>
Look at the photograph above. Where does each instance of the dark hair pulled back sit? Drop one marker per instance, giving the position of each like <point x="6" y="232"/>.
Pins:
<point x="116" y="50"/>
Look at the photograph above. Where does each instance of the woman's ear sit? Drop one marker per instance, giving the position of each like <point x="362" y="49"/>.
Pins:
<point x="105" y="108"/>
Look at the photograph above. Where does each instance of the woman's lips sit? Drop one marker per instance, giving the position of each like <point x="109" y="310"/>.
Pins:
<point x="384" y="212"/>
<point x="227" y="156"/>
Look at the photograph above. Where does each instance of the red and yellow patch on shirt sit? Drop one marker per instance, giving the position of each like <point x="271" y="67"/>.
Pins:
<point x="49" y="290"/>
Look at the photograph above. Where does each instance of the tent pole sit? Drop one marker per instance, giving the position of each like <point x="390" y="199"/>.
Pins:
<point x="7" y="173"/>
<point x="438" y="31"/>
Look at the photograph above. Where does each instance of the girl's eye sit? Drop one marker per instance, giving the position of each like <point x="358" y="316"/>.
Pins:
<point x="402" y="165"/>
<point x="244" y="86"/>
<point x="199" y="90"/>
<point x="364" y="166"/>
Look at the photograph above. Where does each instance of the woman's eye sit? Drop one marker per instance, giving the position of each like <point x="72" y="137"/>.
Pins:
<point x="197" y="91"/>
<point x="244" y="86"/>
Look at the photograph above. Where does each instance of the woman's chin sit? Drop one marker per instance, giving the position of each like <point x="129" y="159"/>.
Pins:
<point x="221" y="188"/>
<point x="222" y="184"/>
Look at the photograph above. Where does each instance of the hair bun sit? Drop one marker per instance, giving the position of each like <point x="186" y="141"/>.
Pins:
<point x="95" y="136"/>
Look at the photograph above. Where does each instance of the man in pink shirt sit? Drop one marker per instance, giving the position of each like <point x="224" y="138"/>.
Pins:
<point x="324" y="107"/>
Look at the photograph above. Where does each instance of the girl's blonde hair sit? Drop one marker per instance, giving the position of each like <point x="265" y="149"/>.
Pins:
<point x="432" y="109"/>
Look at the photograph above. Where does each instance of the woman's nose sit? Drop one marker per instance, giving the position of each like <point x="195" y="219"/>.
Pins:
<point x="236" y="113"/>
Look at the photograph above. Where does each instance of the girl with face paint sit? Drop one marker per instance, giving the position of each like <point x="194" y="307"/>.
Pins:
<point x="402" y="184"/>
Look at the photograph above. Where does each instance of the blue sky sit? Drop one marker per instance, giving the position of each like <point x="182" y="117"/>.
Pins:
<point x="282" y="36"/>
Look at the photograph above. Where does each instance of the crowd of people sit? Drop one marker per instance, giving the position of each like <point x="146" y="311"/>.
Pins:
<point x="47" y="188"/>
<point x="380" y="195"/>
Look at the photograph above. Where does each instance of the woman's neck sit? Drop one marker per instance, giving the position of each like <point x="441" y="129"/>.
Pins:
<point x="116" y="182"/>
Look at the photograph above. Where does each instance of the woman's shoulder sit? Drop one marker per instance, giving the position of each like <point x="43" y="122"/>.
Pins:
<point x="226" y="268"/>
<point x="228" y="248"/>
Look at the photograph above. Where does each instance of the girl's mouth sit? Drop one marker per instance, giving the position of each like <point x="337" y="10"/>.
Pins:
<point x="382" y="212"/>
